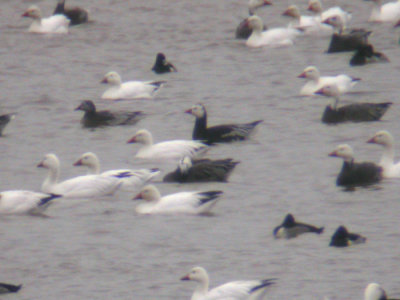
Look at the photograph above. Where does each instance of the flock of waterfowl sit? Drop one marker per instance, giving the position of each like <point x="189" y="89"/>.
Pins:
<point x="186" y="153"/>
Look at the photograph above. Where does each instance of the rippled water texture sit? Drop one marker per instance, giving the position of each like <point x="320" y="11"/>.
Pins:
<point x="102" y="249"/>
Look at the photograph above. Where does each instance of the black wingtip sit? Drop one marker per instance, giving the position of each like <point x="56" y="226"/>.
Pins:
<point x="264" y="283"/>
<point x="45" y="200"/>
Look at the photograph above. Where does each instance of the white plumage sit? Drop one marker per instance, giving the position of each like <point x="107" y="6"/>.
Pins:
<point x="52" y="24"/>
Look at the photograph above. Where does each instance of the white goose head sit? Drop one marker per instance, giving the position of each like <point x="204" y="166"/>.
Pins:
<point x="50" y="161"/>
<point x="197" y="110"/>
<point x="142" y="136"/>
<point x="383" y="138"/>
<point x="33" y="12"/>
<point x="255" y="23"/>
<point x="374" y="292"/>
<point x="90" y="160"/>
<point x="292" y="11"/>
<point x="255" y="4"/>
<point x="330" y="90"/>
<point x="310" y="72"/>
<point x="149" y="193"/>
<point x="335" y="21"/>
<point x="112" y="78"/>
<point x="198" y="274"/>
<point x="314" y="6"/>
<point x="344" y="151"/>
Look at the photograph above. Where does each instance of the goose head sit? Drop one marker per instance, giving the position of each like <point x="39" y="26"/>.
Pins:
<point x="344" y="151"/>
<point x="330" y="90"/>
<point x="292" y="11"/>
<point x="255" y="4"/>
<point x="255" y="23"/>
<point x="142" y="136"/>
<point x="383" y="138"/>
<point x="88" y="159"/>
<point x="50" y="161"/>
<point x="314" y="6"/>
<point x="87" y="106"/>
<point x="197" y="110"/>
<point x="310" y="72"/>
<point x="374" y="291"/>
<point x="185" y="164"/>
<point x="148" y="193"/>
<point x="33" y="12"/>
<point x="112" y="78"/>
<point x="335" y="21"/>
<point x="198" y="274"/>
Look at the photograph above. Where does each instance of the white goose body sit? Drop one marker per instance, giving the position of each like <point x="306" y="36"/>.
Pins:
<point x="131" y="180"/>
<point x="310" y="24"/>
<point x="170" y="150"/>
<point x="52" y="24"/>
<point x="130" y="89"/>
<point x="24" y="202"/>
<point x="87" y="186"/>
<point x="178" y="203"/>
<point x="234" y="290"/>
<point x="274" y="37"/>
<point x="315" y="82"/>
<point x="388" y="12"/>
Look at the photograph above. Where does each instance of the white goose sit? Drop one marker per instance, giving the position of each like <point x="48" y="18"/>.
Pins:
<point x="179" y="203"/>
<point x="388" y="12"/>
<point x="310" y="24"/>
<point x="52" y="24"/>
<point x="129" y="89"/>
<point x="234" y="290"/>
<point x="315" y="81"/>
<point x="87" y="186"/>
<point x="374" y="291"/>
<point x="173" y="150"/>
<point x="316" y="7"/>
<point x="385" y="139"/>
<point x="272" y="37"/>
<point x="24" y="202"/>
<point x="132" y="180"/>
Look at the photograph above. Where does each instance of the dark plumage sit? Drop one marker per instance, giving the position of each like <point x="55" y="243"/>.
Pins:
<point x="357" y="112"/>
<point x="220" y="133"/>
<point x="94" y="118"/>
<point x="77" y="15"/>
<point x="264" y="283"/>
<point x="343" y="238"/>
<point x="206" y="197"/>
<point x="355" y="174"/>
<point x="365" y="54"/>
<point x="243" y="31"/>
<point x="290" y="228"/>
<point x="203" y="170"/>
<point x="4" y="120"/>
<point x="161" y="65"/>
<point x="9" y="288"/>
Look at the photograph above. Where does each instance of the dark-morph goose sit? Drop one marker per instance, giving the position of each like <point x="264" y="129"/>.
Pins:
<point x="161" y="65"/>
<point x="219" y="133"/>
<point x="356" y="112"/>
<point x="343" y="238"/>
<point x="352" y="173"/>
<point x="9" y="288"/>
<point x="4" y="120"/>
<point x="291" y="229"/>
<point x="76" y="14"/>
<point x="93" y="118"/>
<point x="243" y="31"/>
<point x="202" y="170"/>
<point x="366" y="54"/>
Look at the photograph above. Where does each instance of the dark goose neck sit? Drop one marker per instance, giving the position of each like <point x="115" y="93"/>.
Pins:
<point x="200" y="127"/>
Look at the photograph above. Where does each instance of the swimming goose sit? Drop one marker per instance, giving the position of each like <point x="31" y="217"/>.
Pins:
<point x="291" y="229"/>
<point x="309" y="24"/>
<point x="219" y="133"/>
<point x="9" y="288"/>
<point x="130" y="89"/>
<point x="357" y="112"/>
<point x="4" y="120"/>
<point x="202" y="170"/>
<point x="366" y="54"/>
<point x="352" y="173"/>
<point x="93" y="118"/>
<point x="316" y="7"/>
<point x="170" y="150"/>
<point x="52" y="24"/>
<point x="235" y="290"/>
<point x="345" y="40"/>
<point x="178" y="203"/>
<point x="24" y="202"/>
<point x="131" y="180"/>
<point x="385" y="139"/>
<point x="343" y="238"/>
<point x="315" y="81"/>
<point x="388" y="12"/>
<point x="243" y="31"/>
<point x="87" y="186"/>
<point x="374" y="291"/>
<point x="162" y="66"/>
<point x="272" y="37"/>
<point x="76" y="14"/>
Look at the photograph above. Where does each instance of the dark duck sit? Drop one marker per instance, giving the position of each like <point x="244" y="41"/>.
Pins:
<point x="343" y="238"/>
<point x="161" y="65"/>
<point x="76" y="15"/>
<point x="356" y="112"/>
<point x="4" y="120"/>
<point x="291" y="229"/>
<point x="220" y="133"/>
<point x="352" y="173"/>
<point x="366" y="54"/>
<point x="202" y="170"/>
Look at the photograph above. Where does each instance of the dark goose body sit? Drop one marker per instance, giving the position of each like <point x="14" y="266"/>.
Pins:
<point x="204" y="170"/>
<point x="77" y="15"/>
<point x="365" y="54"/>
<point x="9" y="288"/>
<point x="343" y="238"/>
<point x="219" y="133"/>
<point x="353" y="174"/>
<point x="4" y="120"/>
<point x="351" y="41"/>
<point x="93" y="118"/>
<point x="161" y="65"/>
<point x="358" y="112"/>
<point x="290" y="228"/>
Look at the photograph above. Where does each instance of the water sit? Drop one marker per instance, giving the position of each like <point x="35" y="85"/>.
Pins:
<point x="102" y="249"/>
